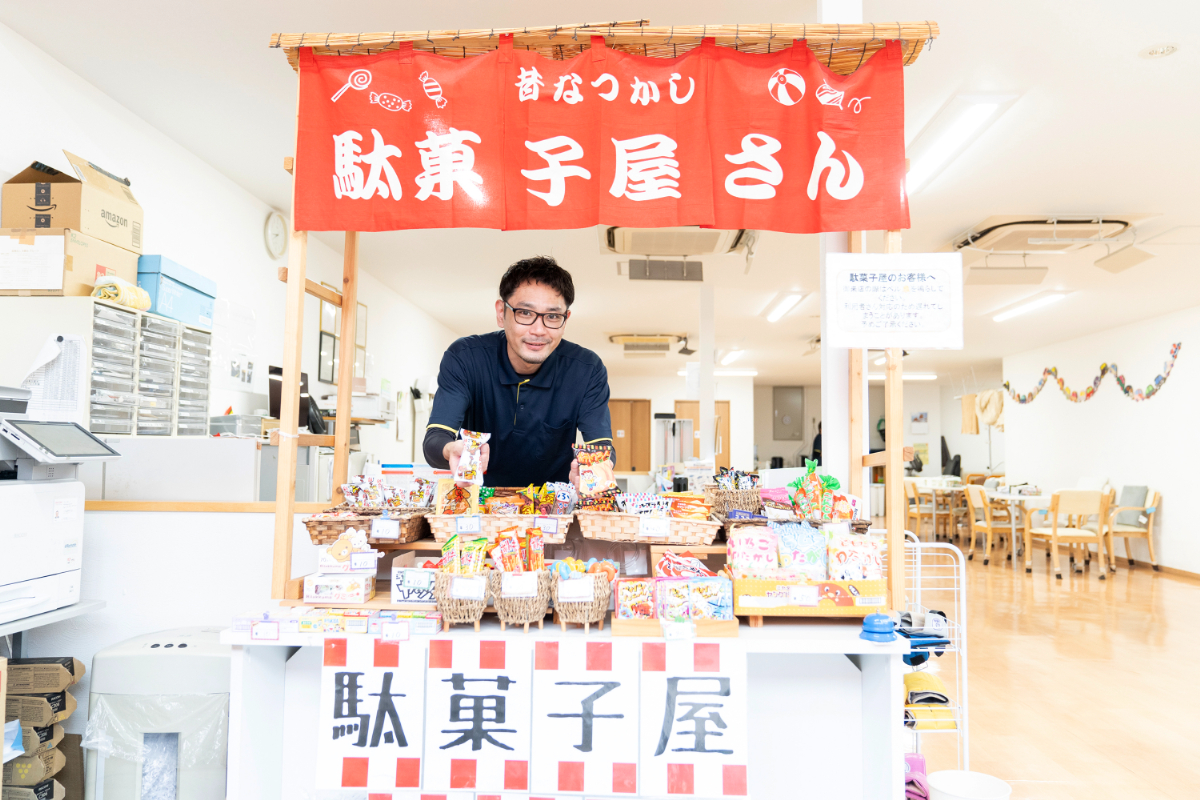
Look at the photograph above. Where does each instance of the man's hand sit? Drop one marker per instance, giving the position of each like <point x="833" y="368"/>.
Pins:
<point x="453" y="451"/>
<point x="575" y="474"/>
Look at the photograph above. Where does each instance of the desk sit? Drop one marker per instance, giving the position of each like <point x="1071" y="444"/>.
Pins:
<point x="807" y="678"/>
<point x="17" y="627"/>
<point x="1026" y="502"/>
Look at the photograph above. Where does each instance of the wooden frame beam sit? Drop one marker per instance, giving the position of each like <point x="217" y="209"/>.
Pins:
<point x="306" y="440"/>
<point x="349" y="343"/>
<point x="315" y="289"/>
<point x="858" y="405"/>
<point x="893" y="404"/>
<point x="880" y="459"/>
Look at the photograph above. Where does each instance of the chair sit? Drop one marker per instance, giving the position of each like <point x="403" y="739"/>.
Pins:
<point x="1136" y="503"/>
<point x="917" y="510"/>
<point x="1077" y="506"/>
<point x="981" y="518"/>
<point x="974" y="477"/>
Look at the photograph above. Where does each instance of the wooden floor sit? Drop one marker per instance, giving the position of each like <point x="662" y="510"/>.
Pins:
<point x="1082" y="688"/>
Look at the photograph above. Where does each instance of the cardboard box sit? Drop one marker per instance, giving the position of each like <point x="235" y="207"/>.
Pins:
<point x="357" y="620"/>
<point x="39" y="710"/>
<point x="46" y="790"/>
<point x="41" y="675"/>
<point x="177" y="292"/>
<point x="350" y="589"/>
<point x="413" y="585"/>
<point x="58" y="262"/>
<point x="71" y="776"/>
<point x="96" y="202"/>
<point x="32" y="770"/>
<point x="771" y="597"/>
<point x="36" y="740"/>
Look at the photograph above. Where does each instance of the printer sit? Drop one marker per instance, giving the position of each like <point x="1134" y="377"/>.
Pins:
<point x="41" y="508"/>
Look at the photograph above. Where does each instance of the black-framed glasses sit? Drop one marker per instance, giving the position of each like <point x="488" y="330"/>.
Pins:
<point x="524" y="316"/>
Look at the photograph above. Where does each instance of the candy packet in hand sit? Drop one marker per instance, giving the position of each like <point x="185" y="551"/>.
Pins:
<point x="470" y="463"/>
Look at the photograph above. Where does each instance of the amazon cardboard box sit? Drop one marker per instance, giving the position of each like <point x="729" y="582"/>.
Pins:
<point x="36" y="740"/>
<point x="39" y="710"/>
<point x="32" y="770"/>
<point x="41" y="675"/>
<point x="96" y="202"/>
<point x="58" y="262"/>
<point x="46" y="790"/>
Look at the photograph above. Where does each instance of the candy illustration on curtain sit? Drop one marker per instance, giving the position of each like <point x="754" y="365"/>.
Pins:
<point x="371" y="709"/>
<point x="1137" y="395"/>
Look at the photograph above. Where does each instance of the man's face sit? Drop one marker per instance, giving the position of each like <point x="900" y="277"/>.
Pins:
<point x="531" y="344"/>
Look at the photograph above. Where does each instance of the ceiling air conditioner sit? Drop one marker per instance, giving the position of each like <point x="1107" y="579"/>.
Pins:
<point x="1020" y="235"/>
<point x="687" y="241"/>
<point x="645" y="345"/>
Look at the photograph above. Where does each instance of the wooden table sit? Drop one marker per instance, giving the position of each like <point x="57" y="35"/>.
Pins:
<point x="932" y="490"/>
<point x="1025" y="501"/>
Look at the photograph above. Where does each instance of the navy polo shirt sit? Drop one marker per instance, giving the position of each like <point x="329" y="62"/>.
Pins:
<point x="532" y="418"/>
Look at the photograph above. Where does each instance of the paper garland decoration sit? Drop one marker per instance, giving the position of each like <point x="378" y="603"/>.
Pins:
<point x="1136" y="395"/>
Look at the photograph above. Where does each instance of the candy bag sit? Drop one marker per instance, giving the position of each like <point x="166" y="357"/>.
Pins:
<point x="470" y="463"/>
<point x="635" y="598"/>
<point x="803" y="549"/>
<point x="681" y="566"/>
<point x="535" y="554"/>
<point x="710" y="598"/>
<point x="754" y="551"/>
<point x="501" y="505"/>
<point x="527" y="498"/>
<point x="597" y="484"/>
<point x="673" y="599"/>
<point x="507" y="551"/>
<point x="455" y="499"/>
<point x="855" y="558"/>
<point x="450" y="555"/>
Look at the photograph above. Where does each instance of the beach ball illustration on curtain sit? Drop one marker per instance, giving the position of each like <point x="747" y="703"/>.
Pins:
<point x="786" y="86"/>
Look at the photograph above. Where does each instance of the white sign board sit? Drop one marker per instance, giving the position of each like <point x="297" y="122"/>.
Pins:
<point x="693" y="720"/>
<point x="909" y="300"/>
<point x="585" y="722"/>
<point x="477" y="715"/>
<point x="371" y="714"/>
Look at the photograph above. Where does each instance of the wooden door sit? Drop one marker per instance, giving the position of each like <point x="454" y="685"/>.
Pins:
<point x="631" y="434"/>
<point x="690" y="409"/>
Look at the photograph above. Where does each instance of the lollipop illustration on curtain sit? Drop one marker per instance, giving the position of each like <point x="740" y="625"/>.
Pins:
<point x="786" y="86"/>
<point x="433" y="90"/>
<point x="359" y="79"/>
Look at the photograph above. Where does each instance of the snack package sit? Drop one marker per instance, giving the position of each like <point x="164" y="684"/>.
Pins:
<point x="455" y="499"/>
<point x="753" y="552"/>
<point x="564" y="498"/>
<point x="486" y="493"/>
<point x="597" y="484"/>
<point x="855" y="558"/>
<point x="507" y="551"/>
<point x="645" y="504"/>
<point x="635" y="598"/>
<point x="535" y="554"/>
<point x="688" y="506"/>
<point x="451" y="559"/>
<point x="421" y="492"/>
<point x="681" y="566"/>
<point x="545" y="500"/>
<point x="710" y="598"/>
<point x="500" y="505"/>
<point x="473" y="556"/>
<point x="527" y="499"/>
<point x="735" y="479"/>
<point x="470" y="463"/>
<point x="673" y="599"/>
<point x="803" y="549"/>
<point x="842" y="509"/>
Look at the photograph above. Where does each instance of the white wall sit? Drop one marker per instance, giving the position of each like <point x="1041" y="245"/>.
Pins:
<point x="764" y="428"/>
<point x="199" y="218"/>
<point x="663" y="392"/>
<point x="1052" y="442"/>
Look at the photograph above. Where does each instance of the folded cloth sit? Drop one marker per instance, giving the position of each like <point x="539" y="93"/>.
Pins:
<point x="119" y="290"/>
<point x="925" y="688"/>
<point x="921" y="623"/>
<point x="916" y="787"/>
<point x="929" y="717"/>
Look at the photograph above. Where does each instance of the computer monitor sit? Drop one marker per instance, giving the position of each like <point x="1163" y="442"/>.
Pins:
<point x="275" y="390"/>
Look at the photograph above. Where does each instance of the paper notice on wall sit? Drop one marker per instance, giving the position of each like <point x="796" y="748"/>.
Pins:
<point x="35" y="265"/>
<point x="58" y="381"/>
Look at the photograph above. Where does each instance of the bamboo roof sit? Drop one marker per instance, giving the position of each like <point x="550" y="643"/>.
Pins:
<point x="843" y="48"/>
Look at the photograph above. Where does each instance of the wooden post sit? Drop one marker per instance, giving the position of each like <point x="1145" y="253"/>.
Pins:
<point x="857" y="410"/>
<point x="894" y="423"/>
<point x="348" y="348"/>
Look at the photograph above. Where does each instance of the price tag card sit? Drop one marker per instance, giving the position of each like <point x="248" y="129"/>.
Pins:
<point x="394" y="631"/>
<point x="802" y="595"/>
<point x="463" y="588"/>
<point x="577" y="590"/>
<point x="683" y="629"/>
<point x="385" y="528"/>
<point x="470" y="524"/>
<point x="419" y="579"/>
<point x="363" y="560"/>
<point x="265" y="631"/>
<point x="548" y="525"/>
<point x="524" y="584"/>
<point x="656" y="527"/>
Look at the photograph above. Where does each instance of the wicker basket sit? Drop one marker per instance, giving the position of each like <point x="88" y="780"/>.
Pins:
<point x="521" y="610"/>
<point x="446" y="525"/>
<point x="327" y="531"/>
<point x="584" y="613"/>
<point x="614" y="527"/>
<point x="455" y="611"/>
<point x="725" y="500"/>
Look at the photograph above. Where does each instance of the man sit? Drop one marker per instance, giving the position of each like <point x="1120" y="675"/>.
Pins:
<point x="523" y="384"/>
